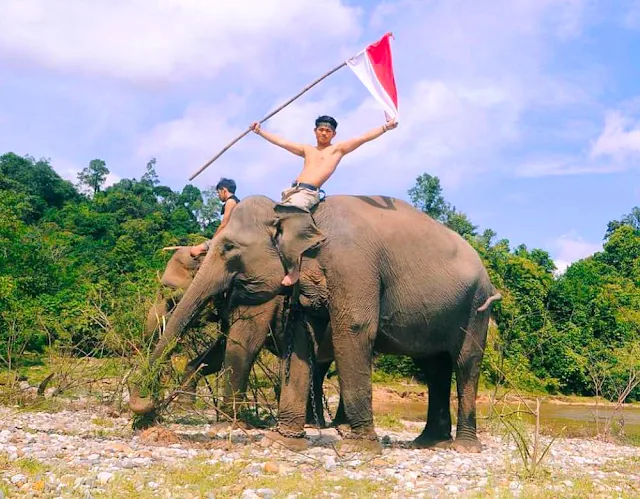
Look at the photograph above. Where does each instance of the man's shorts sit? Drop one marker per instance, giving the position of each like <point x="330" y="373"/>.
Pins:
<point x="300" y="196"/>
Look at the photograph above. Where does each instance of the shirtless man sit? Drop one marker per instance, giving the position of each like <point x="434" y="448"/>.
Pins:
<point x="320" y="161"/>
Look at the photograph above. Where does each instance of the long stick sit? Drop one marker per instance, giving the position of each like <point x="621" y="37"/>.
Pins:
<point x="305" y="89"/>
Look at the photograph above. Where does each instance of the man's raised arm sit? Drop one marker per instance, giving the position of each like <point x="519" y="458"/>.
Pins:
<point x="352" y="144"/>
<point x="295" y="148"/>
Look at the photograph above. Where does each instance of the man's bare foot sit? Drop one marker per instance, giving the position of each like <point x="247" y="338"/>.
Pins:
<point x="291" y="278"/>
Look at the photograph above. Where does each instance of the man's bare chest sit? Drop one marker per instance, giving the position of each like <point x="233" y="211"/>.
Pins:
<point x="322" y="157"/>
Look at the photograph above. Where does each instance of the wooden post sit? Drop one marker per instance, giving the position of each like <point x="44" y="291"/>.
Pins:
<point x="228" y="146"/>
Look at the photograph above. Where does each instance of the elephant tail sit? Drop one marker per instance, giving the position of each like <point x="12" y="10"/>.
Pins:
<point x="490" y="300"/>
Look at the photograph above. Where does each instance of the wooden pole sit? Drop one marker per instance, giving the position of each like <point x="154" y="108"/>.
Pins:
<point x="228" y="146"/>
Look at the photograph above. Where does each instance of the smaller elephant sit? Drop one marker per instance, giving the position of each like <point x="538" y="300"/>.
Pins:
<point x="246" y="330"/>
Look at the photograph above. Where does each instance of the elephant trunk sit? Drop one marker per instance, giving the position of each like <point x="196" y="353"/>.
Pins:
<point x="210" y="280"/>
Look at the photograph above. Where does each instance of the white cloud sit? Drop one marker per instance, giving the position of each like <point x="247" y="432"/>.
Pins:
<point x="160" y="40"/>
<point x="631" y="18"/>
<point x="620" y="138"/>
<point x="563" y="165"/>
<point x="570" y="248"/>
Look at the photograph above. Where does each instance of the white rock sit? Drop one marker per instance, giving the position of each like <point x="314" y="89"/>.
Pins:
<point x="153" y="485"/>
<point x="249" y="494"/>
<point x="18" y="478"/>
<point x="105" y="477"/>
<point x="330" y="463"/>
<point x="265" y="493"/>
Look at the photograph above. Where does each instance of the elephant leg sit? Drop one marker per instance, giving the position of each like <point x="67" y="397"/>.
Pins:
<point x="211" y="361"/>
<point x="340" y="417"/>
<point x="314" y="404"/>
<point x="438" y="371"/>
<point x="467" y="378"/>
<point x="354" y="331"/>
<point x="295" y="391"/>
<point x="239" y="358"/>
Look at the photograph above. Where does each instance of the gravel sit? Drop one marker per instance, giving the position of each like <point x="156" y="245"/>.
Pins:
<point x="82" y="453"/>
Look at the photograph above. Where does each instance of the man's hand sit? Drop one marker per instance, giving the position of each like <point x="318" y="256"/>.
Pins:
<point x="390" y="125"/>
<point x="255" y="126"/>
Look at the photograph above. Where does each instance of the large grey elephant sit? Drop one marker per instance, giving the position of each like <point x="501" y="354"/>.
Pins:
<point x="246" y="330"/>
<point x="389" y="277"/>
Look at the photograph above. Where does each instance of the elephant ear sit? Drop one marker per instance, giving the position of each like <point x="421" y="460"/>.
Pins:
<point x="180" y="270"/>
<point x="297" y="232"/>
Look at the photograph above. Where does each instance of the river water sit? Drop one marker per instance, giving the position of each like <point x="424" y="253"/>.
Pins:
<point x="555" y="418"/>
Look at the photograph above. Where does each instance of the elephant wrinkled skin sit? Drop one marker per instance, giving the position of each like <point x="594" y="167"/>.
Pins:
<point x="390" y="278"/>
<point x="248" y="328"/>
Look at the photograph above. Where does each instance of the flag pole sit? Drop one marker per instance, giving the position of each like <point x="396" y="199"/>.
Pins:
<point x="228" y="146"/>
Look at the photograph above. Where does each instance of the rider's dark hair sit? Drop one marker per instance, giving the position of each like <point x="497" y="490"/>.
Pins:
<point x="327" y="119"/>
<point x="227" y="183"/>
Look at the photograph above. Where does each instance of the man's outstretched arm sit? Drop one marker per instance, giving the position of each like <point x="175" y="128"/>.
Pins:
<point x="295" y="148"/>
<point x="352" y="144"/>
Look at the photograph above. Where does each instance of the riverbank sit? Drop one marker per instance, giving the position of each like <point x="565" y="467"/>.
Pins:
<point x="94" y="453"/>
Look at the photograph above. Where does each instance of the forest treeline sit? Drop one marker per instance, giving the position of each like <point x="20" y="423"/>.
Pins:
<point x="79" y="265"/>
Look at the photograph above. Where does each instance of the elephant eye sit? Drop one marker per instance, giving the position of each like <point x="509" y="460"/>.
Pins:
<point x="228" y="246"/>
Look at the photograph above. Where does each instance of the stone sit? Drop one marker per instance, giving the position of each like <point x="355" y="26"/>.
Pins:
<point x="253" y="469"/>
<point x="19" y="478"/>
<point x="271" y="467"/>
<point x="104" y="477"/>
<point x="265" y="493"/>
<point x="330" y="463"/>
<point x="249" y="494"/>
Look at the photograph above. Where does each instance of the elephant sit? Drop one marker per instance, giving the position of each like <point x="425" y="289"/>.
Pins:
<point x="247" y="329"/>
<point x="389" y="278"/>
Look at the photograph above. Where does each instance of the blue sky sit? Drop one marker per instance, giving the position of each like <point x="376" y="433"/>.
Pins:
<point x="528" y="110"/>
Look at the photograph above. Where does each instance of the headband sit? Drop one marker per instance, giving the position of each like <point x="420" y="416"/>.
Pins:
<point x="327" y="124"/>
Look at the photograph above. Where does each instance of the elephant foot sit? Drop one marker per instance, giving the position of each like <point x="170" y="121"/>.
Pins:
<point x="428" y="442"/>
<point x="467" y="446"/>
<point x="352" y="445"/>
<point x="274" y="438"/>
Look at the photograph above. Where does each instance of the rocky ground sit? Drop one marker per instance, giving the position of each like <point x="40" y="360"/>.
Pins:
<point x="94" y="453"/>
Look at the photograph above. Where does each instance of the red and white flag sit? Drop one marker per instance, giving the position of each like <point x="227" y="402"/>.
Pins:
<point x="374" y="67"/>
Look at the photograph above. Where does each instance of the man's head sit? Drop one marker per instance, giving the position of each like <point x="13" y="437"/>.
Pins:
<point x="226" y="188"/>
<point x="325" y="129"/>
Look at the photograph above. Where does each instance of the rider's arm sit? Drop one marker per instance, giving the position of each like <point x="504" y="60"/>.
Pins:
<point x="293" y="147"/>
<point x="352" y="144"/>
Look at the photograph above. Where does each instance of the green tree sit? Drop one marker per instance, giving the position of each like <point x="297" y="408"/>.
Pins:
<point x="150" y="176"/>
<point x="94" y="175"/>
<point x="209" y="213"/>
<point x="426" y="195"/>
<point x="632" y="219"/>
